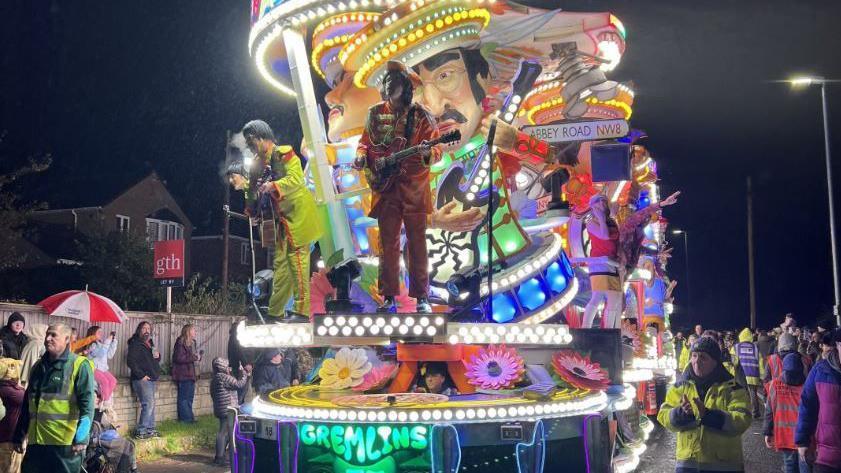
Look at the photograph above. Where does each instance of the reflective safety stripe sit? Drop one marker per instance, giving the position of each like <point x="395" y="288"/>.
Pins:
<point x="785" y="403"/>
<point x="55" y="416"/>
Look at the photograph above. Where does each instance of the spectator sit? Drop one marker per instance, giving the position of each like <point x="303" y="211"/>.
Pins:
<point x="789" y="324"/>
<point x="100" y="351"/>
<point x="683" y="361"/>
<point x="786" y="345"/>
<point x="144" y="363"/>
<point x="827" y="345"/>
<point x="274" y="371"/>
<point x="32" y="352"/>
<point x="712" y="334"/>
<point x="184" y="358"/>
<point x="820" y="411"/>
<point x="763" y="343"/>
<point x="679" y="342"/>
<point x="223" y="391"/>
<point x="57" y="409"/>
<point x="781" y="409"/>
<point x="708" y="411"/>
<point x="13" y="337"/>
<point x="747" y="358"/>
<point x="12" y="396"/>
<point x="699" y="330"/>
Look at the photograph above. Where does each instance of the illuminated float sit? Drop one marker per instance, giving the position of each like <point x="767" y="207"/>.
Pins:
<point x="524" y="387"/>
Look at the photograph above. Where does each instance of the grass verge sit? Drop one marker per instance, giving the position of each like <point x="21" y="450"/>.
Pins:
<point x="178" y="437"/>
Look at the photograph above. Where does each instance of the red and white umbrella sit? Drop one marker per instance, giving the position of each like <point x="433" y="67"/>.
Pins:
<point x="83" y="305"/>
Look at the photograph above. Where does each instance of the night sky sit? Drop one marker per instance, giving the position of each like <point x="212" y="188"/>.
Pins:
<point x="115" y="90"/>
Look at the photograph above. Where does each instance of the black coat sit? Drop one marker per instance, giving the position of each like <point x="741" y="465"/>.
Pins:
<point x="140" y="360"/>
<point x="12" y="344"/>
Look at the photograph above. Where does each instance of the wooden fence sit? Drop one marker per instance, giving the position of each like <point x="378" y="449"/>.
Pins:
<point x="211" y="332"/>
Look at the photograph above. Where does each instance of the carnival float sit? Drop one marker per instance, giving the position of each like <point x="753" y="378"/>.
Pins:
<point x="506" y="372"/>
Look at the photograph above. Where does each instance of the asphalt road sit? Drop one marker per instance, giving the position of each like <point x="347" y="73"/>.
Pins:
<point x="660" y="455"/>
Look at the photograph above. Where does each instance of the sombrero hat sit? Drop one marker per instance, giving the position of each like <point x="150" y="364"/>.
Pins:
<point x="330" y="36"/>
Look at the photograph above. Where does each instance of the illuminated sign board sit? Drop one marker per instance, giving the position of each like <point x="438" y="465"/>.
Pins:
<point x="360" y="447"/>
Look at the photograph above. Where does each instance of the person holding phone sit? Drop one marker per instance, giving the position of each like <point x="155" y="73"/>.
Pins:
<point x="184" y="358"/>
<point x="709" y="411"/>
<point x="100" y="351"/>
<point x="144" y="363"/>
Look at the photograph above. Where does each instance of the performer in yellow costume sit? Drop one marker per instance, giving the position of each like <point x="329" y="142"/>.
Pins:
<point x="278" y="175"/>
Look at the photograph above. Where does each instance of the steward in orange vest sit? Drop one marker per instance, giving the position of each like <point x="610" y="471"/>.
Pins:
<point x="781" y="408"/>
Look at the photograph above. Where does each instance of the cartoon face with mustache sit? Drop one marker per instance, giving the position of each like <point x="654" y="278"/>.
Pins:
<point x="348" y="107"/>
<point x="453" y="88"/>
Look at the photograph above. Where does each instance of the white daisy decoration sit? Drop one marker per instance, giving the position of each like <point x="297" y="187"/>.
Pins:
<point x="346" y="370"/>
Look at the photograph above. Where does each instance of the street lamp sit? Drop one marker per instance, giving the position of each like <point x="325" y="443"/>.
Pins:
<point x="685" y="234"/>
<point x="805" y="82"/>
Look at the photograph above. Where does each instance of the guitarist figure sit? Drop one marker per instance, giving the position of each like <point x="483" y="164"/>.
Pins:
<point x="407" y="201"/>
<point x="277" y="179"/>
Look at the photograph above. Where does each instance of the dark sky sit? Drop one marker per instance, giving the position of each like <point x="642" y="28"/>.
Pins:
<point x="115" y="90"/>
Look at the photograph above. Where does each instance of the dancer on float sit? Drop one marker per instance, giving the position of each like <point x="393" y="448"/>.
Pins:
<point x="275" y="189"/>
<point x="408" y="201"/>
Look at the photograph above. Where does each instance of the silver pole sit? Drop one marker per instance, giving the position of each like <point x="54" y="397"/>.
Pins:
<point x="315" y="135"/>
<point x="833" y="239"/>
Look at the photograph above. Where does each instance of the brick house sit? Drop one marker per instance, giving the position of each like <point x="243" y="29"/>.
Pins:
<point x="146" y="209"/>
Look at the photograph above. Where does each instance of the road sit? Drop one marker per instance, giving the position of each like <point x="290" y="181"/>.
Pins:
<point x="660" y="455"/>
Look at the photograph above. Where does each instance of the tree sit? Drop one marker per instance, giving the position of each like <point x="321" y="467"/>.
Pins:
<point x="202" y="296"/>
<point x="13" y="210"/>
<point x="119" y="266"/>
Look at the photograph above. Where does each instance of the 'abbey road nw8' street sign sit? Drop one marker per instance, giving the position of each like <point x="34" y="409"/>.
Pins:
<point x="579" y="131"/>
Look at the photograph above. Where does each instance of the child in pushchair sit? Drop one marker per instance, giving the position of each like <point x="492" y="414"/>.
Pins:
<point x="107" y="451"/>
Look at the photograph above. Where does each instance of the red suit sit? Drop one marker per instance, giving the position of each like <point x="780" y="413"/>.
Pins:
<point x="408" y="202"/>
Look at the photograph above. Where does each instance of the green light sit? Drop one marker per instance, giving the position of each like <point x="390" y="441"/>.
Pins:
<point x="364" y="444"/>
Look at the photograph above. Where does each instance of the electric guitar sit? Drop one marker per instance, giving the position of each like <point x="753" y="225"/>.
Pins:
<point x="384" y="161"/>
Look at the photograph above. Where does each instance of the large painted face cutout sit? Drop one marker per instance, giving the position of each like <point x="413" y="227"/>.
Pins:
<point x="348" y="107"/>
<point x="448" y="93"/>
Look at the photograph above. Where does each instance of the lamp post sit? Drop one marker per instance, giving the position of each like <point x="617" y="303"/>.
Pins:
<point x="833" y="240"/>
<point x="685" y="235"/>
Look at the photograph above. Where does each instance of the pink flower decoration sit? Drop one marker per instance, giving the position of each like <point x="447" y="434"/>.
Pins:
<point x="579" y="371"/>
<point x="377" y="378"/>
<point x="495" y="367"/>
<point x="320" y="288"/>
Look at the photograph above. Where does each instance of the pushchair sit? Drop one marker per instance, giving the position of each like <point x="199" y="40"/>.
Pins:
<point x="108" y="452"/>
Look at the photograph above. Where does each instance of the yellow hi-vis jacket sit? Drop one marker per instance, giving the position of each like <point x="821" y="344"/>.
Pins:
<point x="59" y="402"/>
<point x="713" y="443"/>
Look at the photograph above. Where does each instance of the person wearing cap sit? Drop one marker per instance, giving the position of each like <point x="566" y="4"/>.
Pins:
<point x="408" y="202"/>
<point x="781" y="408"/>
<point x="708" y="410"/>
<point x="296" y="222"/>
<point x="435" y="380"/>
<point x="746" y="358"/>
<point x="819" y="417"/>
<point x="13" y="337"/>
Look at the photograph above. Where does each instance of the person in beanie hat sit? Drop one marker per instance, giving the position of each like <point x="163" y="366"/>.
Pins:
<point x="708" y="411"/>
<point x="13" y="337"/>
<point x="781" y="408"/>
<point x="787" y="344"/>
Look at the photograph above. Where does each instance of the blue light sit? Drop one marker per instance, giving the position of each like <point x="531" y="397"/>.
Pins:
<point x="556" y="278"/>
<point x="567" y="267"/>
<point x="504" y="308"/>
<point x="531" y="295"/>
<point x="348" y="180"/>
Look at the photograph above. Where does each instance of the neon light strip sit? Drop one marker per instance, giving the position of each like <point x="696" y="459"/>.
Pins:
<point x="516" y="275"/>
<point x="432" y="445"/>
<point x="239" y="437"/>
<point x="538" y="427"/>
<point x="585" y="422"/>
<point x="593" y="402"/>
